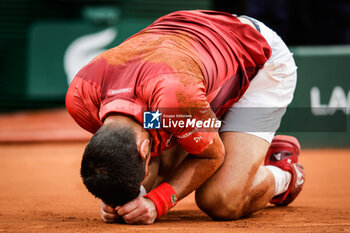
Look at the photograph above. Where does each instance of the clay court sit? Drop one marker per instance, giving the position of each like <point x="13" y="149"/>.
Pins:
<point x="41" y="190"/>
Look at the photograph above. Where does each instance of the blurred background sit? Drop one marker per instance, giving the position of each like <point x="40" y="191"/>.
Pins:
<point x="44" y="43"/>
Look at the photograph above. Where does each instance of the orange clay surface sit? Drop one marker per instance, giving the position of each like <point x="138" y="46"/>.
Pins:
<point x="41" y="190"/>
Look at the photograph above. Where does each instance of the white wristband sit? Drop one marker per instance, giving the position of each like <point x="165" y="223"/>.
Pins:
<point x="143" y="191"/>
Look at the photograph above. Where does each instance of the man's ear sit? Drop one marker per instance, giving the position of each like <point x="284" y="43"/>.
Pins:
<point x="144" y="148"/>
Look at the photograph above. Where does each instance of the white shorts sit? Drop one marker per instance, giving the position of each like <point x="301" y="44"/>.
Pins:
<point x="260" y="110"/>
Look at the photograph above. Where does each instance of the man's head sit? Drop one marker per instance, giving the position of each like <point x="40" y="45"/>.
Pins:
<point x="115" y="161"/>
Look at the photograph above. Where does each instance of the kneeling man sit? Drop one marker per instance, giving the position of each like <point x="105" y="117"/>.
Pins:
<point x="200" y="67"/>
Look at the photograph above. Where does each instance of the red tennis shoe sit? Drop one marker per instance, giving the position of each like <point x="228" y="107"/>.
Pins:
<point x="283" y="153"/>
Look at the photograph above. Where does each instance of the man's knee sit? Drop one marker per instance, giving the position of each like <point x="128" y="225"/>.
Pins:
<point x="221" y="205"/>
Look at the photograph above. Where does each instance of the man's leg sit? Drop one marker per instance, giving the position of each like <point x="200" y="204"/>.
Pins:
<point x="242" y="185"/>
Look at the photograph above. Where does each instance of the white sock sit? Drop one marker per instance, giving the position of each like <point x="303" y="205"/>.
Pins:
<point x="282" y="179"/>
<point x="143" y="191"/>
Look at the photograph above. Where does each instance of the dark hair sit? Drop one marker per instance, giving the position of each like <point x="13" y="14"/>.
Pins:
<point x="112" y="168"/>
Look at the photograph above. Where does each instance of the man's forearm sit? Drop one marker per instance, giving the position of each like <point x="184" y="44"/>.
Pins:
<point x="188" y="176"/>
<point x="196" y="169"/>
<point x="151" y="178"/>
<point x="192" y="173"/>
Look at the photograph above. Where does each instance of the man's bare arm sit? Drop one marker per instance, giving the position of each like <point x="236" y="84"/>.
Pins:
<point x="189" y="175"/>
<point x="196" y="169"/>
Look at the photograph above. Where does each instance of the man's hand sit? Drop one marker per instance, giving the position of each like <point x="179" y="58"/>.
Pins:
<point x="108" y="213"/>
<point x="138" y="211"/>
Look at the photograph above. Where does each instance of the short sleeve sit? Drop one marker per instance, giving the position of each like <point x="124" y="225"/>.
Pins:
<point x="82" y="103"/>
<point x="185" y="112"/>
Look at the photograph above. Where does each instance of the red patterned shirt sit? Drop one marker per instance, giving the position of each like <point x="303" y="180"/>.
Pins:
<point x="187" y="62"/>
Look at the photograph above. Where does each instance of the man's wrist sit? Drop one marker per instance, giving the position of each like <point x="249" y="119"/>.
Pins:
<point x="163" y="197"/>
